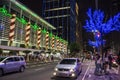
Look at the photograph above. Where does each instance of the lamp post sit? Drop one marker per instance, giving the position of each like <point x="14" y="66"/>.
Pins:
<point x="96" y="4"/>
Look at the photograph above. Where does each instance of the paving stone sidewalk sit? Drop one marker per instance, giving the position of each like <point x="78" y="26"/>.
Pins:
<point x="113" y="74"/>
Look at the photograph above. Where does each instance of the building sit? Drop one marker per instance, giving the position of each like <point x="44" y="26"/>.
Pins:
<point x="22" y="28"/>
<point x="63" y="14"/>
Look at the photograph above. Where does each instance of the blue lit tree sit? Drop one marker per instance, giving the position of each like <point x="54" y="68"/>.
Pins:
<point x="97" y="24"/>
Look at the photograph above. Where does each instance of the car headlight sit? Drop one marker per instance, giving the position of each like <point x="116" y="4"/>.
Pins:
<point x="54" y="73"/>
<point x="73" y="75"/>
<point x="56" y="69"/>
<point x="114" y="62"/>
<point x="71" y="70"/>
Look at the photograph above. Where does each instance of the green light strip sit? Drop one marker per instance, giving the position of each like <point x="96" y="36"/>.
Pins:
<point x="32" y="13"/>
<point x="35" y="26"/>
<point x="51" y="35"/>
<point x="5" y="12"/>
<point x="22" y="20"/>
<point x="44" y="31"/>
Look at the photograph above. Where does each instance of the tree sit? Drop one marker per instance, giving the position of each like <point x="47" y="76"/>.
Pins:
<point x="97" y="24"/>
<point x="74" y="49"/>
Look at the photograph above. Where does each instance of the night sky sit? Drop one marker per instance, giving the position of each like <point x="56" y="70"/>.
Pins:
<point x="34" y="5"/>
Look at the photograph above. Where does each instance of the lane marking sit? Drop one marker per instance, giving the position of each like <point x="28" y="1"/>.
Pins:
<point x="33" y="66"/>
<point x="86" y="72"/>
<point x="39" y="69"/>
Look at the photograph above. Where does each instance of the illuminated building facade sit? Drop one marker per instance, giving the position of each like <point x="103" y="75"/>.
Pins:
<point x="62" y="14"/>
<point x="20" y="26"/>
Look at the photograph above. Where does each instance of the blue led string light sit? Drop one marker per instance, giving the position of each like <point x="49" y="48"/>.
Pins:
<point x="96" y="22"/>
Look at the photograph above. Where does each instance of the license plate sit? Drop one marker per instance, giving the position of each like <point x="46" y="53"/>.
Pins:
<point x="63" y="74"/>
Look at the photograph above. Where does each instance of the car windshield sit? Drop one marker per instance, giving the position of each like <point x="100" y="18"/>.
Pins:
<point x="68" y="61"/>
<point x="1" y="58"/>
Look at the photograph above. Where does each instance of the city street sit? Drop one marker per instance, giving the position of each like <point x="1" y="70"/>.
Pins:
<point x="36" y="35"/>
<point x="44" y="72"/>
<point x="41" y="72"/>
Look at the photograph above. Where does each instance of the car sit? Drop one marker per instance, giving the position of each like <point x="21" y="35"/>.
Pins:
<point x="11" y="64"/>
<point x="68" y="67"/>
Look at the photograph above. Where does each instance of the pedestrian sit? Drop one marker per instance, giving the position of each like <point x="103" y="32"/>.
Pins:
<point x="98" y="68"/>
<point x="91" y="57"/>
<point x="110" y="59"/>
<point x="118" y="59"/>
<point x="105" y="62"/>
<point x="52" y="58"/>
<point x="83" y="57"/>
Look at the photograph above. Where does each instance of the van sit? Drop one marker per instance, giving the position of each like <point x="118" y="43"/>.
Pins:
<point x="12" y="64"/>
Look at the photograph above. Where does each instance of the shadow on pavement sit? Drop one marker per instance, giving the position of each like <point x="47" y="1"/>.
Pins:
<point x="11" y="73"/>
<point x="61" y="78"/>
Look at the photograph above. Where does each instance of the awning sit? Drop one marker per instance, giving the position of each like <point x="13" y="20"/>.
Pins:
<point x="17" y="48"/>
<point x="12" y="48"/>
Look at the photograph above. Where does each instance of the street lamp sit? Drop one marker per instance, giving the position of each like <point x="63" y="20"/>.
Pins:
<point x="96" y="4"/>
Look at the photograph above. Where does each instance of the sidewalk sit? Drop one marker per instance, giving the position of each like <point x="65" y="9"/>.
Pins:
<point x="113" y="74"/>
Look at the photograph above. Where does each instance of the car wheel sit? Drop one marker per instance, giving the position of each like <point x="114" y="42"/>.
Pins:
<point x="1" y="72"/>
<point x="22" y="68"/>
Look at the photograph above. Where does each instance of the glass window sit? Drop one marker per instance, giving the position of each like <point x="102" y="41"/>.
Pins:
<point x="4" y="26"/>
<point x="68" y="61"/>
<point x="10" y="60"/>
<point x="21" y="58"/>
<point x="17" y="58"/>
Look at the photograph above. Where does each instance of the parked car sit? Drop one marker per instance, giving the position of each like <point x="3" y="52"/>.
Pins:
<point x="68" y="67"/>
<point x="11" y="64"/>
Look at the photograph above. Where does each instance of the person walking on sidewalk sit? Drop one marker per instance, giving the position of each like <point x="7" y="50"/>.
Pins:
<point x="110" y="57"/>
<point x="98" y="65"/>
<point x="105" y="62"/>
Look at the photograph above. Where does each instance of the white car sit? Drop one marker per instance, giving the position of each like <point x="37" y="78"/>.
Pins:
<point x="68" y="67"/>
<point x="11" y="64"/>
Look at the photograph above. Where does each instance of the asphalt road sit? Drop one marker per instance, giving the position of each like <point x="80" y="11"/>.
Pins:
<point x="43" y="72"/>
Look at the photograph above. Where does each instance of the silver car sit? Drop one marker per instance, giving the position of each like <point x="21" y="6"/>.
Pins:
<point x="11" y="64"/>
<point x="68" y="67"/>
